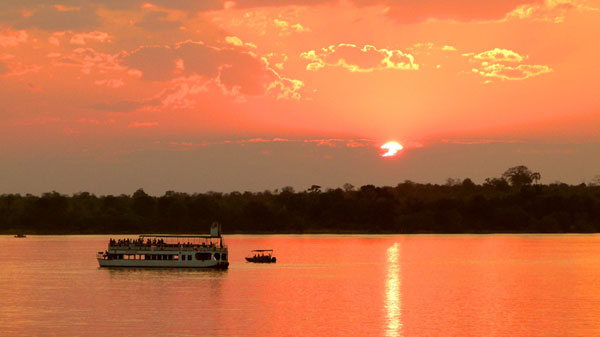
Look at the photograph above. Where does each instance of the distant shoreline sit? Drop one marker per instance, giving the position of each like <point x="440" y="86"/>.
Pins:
<point x="495" y="207"/>
<point x="307" y="233"/>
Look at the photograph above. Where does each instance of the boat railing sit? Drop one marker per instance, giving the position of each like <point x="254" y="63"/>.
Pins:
<point x="167" y="247"/>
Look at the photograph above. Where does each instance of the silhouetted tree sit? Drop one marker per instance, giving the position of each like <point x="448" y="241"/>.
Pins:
<point x="314" y="189"/>
<point x="348" y="187"/>
<point x="520" y="176"/>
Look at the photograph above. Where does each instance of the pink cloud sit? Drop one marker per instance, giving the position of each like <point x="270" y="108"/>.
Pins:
<point x="13" y="38"/>
<point x="142" y="124"/>
<point x="95" y="36"/>
<point x="191" y="67"/>
<point x="111" y="83"/>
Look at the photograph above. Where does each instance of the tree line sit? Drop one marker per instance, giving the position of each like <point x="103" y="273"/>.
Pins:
<point x="512" y="203"/>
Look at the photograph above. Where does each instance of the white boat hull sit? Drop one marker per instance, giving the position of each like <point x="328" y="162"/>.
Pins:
<point x="162" y="264"/>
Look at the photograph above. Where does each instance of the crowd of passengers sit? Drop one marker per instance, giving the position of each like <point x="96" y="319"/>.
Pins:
<point x="154" y="243"/>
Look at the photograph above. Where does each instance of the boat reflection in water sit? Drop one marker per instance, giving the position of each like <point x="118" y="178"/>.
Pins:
<point x="262" y="256"/>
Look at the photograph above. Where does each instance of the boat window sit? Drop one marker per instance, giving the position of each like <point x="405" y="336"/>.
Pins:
<point x="217" y="256"/>
<point x="203" y="256"/>
<point x="224" y="257"/>
<point x="176" y="257"/>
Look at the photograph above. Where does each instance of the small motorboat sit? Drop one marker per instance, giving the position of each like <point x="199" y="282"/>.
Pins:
<point x="261" y="256"/>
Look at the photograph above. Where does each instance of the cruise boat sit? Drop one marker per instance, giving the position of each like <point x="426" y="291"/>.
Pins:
<point x="167" y="251"/>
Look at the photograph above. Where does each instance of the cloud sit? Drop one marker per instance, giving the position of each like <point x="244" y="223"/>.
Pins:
<point x="11" y="66"/>
<point x="477" y="141"/>
<point x="549" y="10"/>
<point x="497" y="55"/>
<point x="354" y="59"/>
<point x="122" y="106"/>
<point x="285" y="28"/>
<point x="327" y="142"/>
<point x="236" y="41"/>
<point x="505" y="64"/>
<point x="88" y="59"/>
<point x="96" y="36"/>
<point x="235" y="70"/>
<point x="400" y="11"/>
<point x="3" y="68"/>
<point x="183" y="91"/>
<point x="506" y="72"/>
<point x="472" y="10"/>
<point x="94" y="121"/>
<point x="142" y="124"/>
<point x="155" y="63"/>
<point x="448" y="48"/>
<point x="158" y="21"/>
<point x="428" y="47"/>
<point x="13" y="38"/>
<point x="62" y="8"/>
<point x="77" y="5"/>
<point x="52" y="19"/>
<point x="277" y="59"/>
<point x="111" y="83"/>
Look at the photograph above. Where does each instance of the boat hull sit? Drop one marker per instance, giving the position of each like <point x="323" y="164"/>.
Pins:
<point x="162" y="264"/>
<point x="253" y="260"/>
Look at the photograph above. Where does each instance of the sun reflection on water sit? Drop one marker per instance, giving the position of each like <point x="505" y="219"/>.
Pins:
<point x="392" y="293"/>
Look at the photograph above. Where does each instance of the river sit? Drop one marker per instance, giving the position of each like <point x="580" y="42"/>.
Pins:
<point x="321" y="285"/>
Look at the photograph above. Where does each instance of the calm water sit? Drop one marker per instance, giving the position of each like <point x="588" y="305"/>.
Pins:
<point x="514" y="285"/>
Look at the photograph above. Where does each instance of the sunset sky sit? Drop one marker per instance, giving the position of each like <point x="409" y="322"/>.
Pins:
<point x="109" y="96"/>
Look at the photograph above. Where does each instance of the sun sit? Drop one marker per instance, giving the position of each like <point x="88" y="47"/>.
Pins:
<point x="392" y="148"/>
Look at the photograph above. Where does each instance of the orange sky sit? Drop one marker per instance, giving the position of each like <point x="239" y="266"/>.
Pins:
<point x="99" y="84"/>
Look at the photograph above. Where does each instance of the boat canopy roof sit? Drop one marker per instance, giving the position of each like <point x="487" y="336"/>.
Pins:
<point x="178" y="236"/>
<point x="262" y="250"/>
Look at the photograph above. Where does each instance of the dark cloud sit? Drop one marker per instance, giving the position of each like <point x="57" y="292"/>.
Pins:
<point x="236" y="67"/>
<point x="157" y="21"/>
<point x="194" y="6"/>
<point x="201" y="59"/>
<point x="190" y="5"/>
<point x="156" y="63"/>
<point x="280" y="3"/>
<point x="401" y="10"/>
<point x="51" y="19"/>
